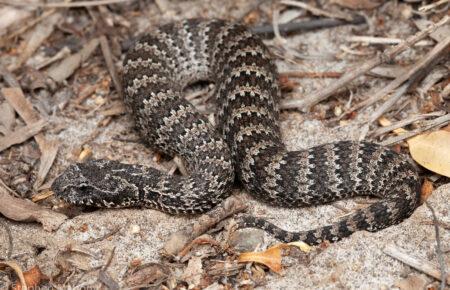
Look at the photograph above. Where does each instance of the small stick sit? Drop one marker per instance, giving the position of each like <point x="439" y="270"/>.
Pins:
<point x="311" y="74"/>
<point x="27" y="26"/>
<point x="438" y="246"/>
<point x="178" y="240"/>
<point x="438" y="122"/>
<point x="402" y="123"/>
<point x="414" y="262"/>
<point x="391" y="101"/>
<point x="360" y="69"/>
<point x="384" y="40"/>
<point x="433" y="55"/>
<point x="276" y="27"/>
<point x="432" y="5"/>
<point x="21" y="135"/>
<point x="106" y="50"/>
<point x="63" y="4"/>
<point x="10" y="240"/>
<point x="316" y="11"/>
<point x="305" y="25"/>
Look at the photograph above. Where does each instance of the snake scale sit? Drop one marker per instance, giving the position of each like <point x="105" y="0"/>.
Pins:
<point x="246" y="141"/>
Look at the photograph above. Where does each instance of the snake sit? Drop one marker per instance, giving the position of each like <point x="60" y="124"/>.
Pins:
<point x="245" y="144"/>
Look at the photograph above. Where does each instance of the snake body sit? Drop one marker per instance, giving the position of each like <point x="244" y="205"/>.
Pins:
<point x="246" y="141"/>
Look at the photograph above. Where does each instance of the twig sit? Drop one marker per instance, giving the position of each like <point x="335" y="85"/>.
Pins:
<point x="432" y="5"/>
<point x="24" y="108"/>
<point x="402" y="123"/>
<point x="414" y="262"/>
<point x="306" y="25"/>
<point x="104" y="277"/>
<point x="383" y="40"/>
<point x="439" y="253"/>
<point x="438" y="122"/>
<point x="10" y="240"/>
<point x="391" y="101"/>
<point x="27" y="26"/>
<point x="40" y="33"/>
<point x="13" y="265"/>
<point x="63" y="4"/>
<point x="316" y="11"/>
<point x="311" y="74"/>
<point x="8" y="77"/>
<point x="276" y="26"/>
<point x="21" y="135"/>
<point x="105" y="236"/>
<point x="110" y="64"/>
<point x="425" y="62"/>
<point x="360" y="69"/>
<point x="68" y="66"/>
<point x="178" y="240"/>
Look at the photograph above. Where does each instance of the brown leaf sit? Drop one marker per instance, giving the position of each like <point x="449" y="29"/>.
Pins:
<point x="432" y="151"/>
<point x="427" y="189"/>
<point x="24" y="210"/>
<point x="33" y="278"/>
<point x="270" y="257"/>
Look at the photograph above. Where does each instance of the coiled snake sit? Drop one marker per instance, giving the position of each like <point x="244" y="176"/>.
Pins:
<point x="246" y="142"/>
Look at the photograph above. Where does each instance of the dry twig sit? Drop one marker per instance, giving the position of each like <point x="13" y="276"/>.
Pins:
<point x="424" y="63"/>
<point x="414" y="262"/>
<point x="305" y="25"/>
<point x="24" y="108"/>
<point x="21" y="135"/>
<point x="63" y="4"/>
<point x="439" y="253"/>
<point x="316" y="11"/>
<point x="360" y="69"/>
<point x="177" y="241"/>
<point x="405" y="122"/>
<point x="106" y="50"/>
<point x="438" y="122"/>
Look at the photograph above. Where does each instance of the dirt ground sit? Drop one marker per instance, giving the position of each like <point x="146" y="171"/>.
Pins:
<point x="121" y="248"/>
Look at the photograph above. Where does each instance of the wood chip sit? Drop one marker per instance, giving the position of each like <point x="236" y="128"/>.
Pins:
<point x="18" y="209"/>
<point x="7" y="118"/>
<point x="24" y="108"/>
<point x="35" y="39"/>
<point x="21" y="135"/>
<point x="106" y="50"/>
<point x="67" y="67"/>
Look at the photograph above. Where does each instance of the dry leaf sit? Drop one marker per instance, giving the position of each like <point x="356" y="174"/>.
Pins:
<point x="33" y="278"/>
<point x="432" y="151"/>
<point x="427" y="189"/>
<point x="270" y="257"/>
<point x="304" y="247"/>
<point x="24" y="210"/>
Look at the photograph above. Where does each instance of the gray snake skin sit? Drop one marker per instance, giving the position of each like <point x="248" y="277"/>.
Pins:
<point x="247" y="141"/>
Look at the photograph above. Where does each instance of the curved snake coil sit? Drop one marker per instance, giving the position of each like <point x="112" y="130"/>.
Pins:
<point x="247" y="142"/>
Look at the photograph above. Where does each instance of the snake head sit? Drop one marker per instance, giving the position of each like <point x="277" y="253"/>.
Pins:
<point x="95" y="183"/>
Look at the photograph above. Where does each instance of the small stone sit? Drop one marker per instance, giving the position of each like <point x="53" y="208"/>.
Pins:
<point x="247" y="240"/>
<point x="135" y="229"/>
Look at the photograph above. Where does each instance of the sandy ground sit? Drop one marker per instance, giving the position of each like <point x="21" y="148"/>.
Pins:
<point x="357" y="262"/>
